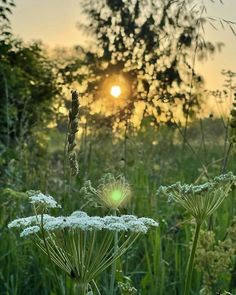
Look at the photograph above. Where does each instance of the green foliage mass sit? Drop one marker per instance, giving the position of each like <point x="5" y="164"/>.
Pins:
<point x="32" y="156"/>
<point x="215" y="259"/>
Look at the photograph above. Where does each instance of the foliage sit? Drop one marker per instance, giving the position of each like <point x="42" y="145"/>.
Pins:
<point x="5" y="9"/>
<point x="29" y="92"/>
<point x="32" y="153"/>
<point x="136" y="51"/>
<point x="214" y="258"/>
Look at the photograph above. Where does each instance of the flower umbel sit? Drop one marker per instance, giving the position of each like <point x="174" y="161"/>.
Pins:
<point x="200" y="200"/>
<point x="89" y="248"/>
<point x="44" y="201"/>
<point x="112" y="192"/>
<point x="79" y="220"/>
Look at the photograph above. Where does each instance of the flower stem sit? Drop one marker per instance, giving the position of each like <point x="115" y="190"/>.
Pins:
<point x="113" y="267"/>
<point x="191" y="260"/>
<point x="47" y="250"/>
<point x="82" y="289"/>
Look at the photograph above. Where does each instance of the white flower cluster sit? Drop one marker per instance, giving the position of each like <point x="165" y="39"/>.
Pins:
<point x="30" y="230"/>
<point x="40" y="199"/>
<point x="28" y="221"/>
<point x="80" y="220"/>
<point x="191" y="190"/>
<point x="200" y="200"/>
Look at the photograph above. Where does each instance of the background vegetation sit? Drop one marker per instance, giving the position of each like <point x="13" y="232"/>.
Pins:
<point x="155" y="135"/>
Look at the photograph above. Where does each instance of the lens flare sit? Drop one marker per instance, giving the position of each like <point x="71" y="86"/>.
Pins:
<point x="112" y="192"/>
<point x="115" y="91"/>
<point x="116" y="195"/>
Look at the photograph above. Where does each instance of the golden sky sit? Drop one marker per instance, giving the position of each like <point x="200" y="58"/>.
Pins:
<point x="54" y="22"/>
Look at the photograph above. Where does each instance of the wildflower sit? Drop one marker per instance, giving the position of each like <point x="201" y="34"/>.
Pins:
<point x="79" y="214"/>
<point x="55" y="223"/>
<point x="81" y="257"/>
<point x="43" y="201"/>
<point x="30" y="230"/>
<point x="27" y="221"/>
<point x="126" y="287"/>
<point x="117" y="226"/>
<point x="80" y="220"/>
<point x="21" y="222"/>
<point x="200" y="200"/>
<point x="137" y="226"/>
<point x="112" y="192"/>
<point x="128" y="217"/>
<point x="148" y="221"/>
<point x="214" y="258"/>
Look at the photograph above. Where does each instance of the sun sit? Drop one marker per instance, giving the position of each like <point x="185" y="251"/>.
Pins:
<point x="115" y="91"/>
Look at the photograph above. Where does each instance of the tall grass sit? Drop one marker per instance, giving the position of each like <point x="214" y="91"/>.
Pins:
<point x="156" y="264"/>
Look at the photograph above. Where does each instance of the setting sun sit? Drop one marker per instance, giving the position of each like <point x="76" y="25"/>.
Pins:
<point x="115" y="91"/>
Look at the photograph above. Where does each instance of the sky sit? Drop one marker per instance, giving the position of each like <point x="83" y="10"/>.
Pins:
<point x="54" y="22"/>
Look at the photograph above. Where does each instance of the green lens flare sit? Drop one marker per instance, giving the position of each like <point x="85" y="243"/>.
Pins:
<point x="116" y="195"/>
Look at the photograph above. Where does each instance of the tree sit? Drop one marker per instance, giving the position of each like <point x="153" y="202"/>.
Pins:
<point x="5" y="9"/>
<point x="28" y="92"/>
<point x="146" y="48"/>
<point x="28" y="86"/>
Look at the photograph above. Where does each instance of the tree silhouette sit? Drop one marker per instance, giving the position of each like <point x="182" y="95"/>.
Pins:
<point x="148" y="48"/>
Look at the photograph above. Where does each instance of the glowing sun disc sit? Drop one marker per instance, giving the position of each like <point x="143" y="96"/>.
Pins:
<point x="115" y="91"/>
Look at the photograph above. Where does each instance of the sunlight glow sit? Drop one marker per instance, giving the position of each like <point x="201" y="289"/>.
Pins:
<point x="116" y="195"/>
<point x="115" y="91"/>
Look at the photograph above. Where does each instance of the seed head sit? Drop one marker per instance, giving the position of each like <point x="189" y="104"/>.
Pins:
<point x="72" y="130"/>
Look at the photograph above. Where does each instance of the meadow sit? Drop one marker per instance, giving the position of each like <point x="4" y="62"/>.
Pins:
<point x="115" y="153"/>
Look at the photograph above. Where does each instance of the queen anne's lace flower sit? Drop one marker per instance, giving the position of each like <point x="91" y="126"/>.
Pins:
<point x="27" y="221"/>
<point x="30" y="230"/>
<point x="55" y="223"/>
<point x="110" y="219"/>
<point x="112" y="192"/>
<point x="148" y="221"/>
<point x="80" y="220"/>
<point x="117" y="226"/>
<point x="47" y="201"/>
<point x="82" y="246"/>
<point x="79" y="214"/>
<point x="137" y="226"/>
<point x="200" y="200"/>
<point x="128" y="217"/>
<point x="22" y="222"/>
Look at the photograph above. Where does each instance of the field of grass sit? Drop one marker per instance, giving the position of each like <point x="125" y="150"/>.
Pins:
<point x="156" y="263"/>
<point x="114" y="180"/>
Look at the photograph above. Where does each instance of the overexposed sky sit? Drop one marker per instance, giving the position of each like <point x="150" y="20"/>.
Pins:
<point x="54" y="22"/>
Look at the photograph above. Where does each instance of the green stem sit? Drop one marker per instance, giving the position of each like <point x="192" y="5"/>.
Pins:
<point x="47" y="250"/>
<point x="82" y="289"/>
<point x="113" y="267"/>
<point x="191" y="260"/>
